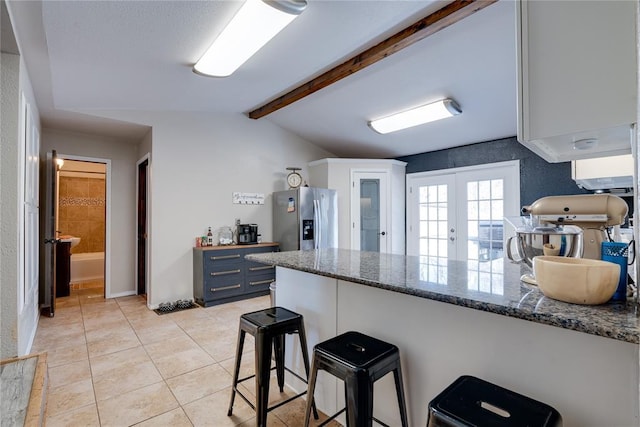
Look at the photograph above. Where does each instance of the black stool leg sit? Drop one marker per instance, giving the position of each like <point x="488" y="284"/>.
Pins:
<point x="263" y="372"/>
<point x="397" y="374"/>
<point x="347" y="407"/>
<point x="236" y="371"/>
<point x="278" y="346"/>
<point x="359" y="400"/>
<point x="310" y="390"/>
<point x="305" y="359"/>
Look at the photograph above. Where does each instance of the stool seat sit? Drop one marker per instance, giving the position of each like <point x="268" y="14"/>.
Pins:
<point x="471" y="401"/>
<point x="359" y="360"/>
<point x="355" y="351"/>
<point x="274" y="320"/>
<point x="268" y="328"/>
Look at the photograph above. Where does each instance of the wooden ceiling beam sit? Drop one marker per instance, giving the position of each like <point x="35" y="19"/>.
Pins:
<point x="442" y="18"/>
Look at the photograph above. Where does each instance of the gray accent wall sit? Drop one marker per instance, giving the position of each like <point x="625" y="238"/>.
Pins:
<point x="538" y="178"/>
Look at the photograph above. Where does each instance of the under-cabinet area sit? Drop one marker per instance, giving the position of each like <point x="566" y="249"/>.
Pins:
<point x="221" y="274"/>
<point x="63" y="269"/>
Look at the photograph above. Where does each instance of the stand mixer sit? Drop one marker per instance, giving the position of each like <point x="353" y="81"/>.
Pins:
<point x="592" y="213"/>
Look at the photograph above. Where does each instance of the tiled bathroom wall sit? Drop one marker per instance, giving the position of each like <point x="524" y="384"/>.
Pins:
<point x="81" y="211"/>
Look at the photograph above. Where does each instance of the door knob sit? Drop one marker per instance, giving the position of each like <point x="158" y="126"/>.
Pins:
<point x="452" y="238"/>
<point x="453" y="230"/>
<point x="382" y="233"/>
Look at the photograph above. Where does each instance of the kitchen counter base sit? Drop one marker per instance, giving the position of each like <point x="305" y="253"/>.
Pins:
<point x="590" y="380"/>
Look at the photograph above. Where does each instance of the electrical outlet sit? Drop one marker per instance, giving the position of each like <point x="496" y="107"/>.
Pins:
<point x="237" y="221"/>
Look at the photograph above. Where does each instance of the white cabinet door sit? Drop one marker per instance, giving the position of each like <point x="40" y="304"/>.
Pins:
<point x="369" y="211"/>
<point x="577" y="76"/>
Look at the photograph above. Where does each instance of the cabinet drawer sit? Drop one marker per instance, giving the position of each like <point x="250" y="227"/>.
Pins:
<point x="257" y="269"/>
<point x="259" y="282"/>
<point x="223" y="260"/>
<point x="230" y="283"/>
<point x="223" y="277"/>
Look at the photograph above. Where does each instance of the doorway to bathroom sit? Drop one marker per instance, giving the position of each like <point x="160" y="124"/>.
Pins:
<point x="82" y="221"/>
<point x="142" y="242"/>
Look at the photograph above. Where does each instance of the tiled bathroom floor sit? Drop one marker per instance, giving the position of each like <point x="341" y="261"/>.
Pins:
<point x="116" y="363"/>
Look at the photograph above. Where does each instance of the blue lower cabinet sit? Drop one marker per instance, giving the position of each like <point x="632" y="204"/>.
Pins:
<point x="221" y="274"/>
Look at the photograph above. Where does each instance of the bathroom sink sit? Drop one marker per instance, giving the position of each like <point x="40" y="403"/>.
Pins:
<point x="70" y="239"/>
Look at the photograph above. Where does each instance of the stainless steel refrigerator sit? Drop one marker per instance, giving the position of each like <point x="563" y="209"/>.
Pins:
<point x="305" y="218"/>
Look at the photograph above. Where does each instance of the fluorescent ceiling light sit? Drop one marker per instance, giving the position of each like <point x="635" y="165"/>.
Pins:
<point x="252" y="27"/>
<point x="416" y="116"/>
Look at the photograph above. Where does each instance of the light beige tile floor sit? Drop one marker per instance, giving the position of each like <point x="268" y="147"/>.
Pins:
<point x="116" y="363"/>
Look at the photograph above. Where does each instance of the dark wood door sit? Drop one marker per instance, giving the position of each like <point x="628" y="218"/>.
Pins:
<point x="48" y="252"/>
<point x="142" y="227"/>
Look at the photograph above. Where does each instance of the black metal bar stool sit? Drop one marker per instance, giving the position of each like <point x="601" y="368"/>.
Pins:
<point x="470" y="401"/>
<point x="268" y="328"/>
<point x="359" y="360"/>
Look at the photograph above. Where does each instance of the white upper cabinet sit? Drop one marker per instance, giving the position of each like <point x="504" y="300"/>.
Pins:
<point x="603" y="173"/>
<point x="577" y="77"/>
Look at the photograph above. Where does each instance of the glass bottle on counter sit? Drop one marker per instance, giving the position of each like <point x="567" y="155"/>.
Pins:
<point x="209" y="237"/>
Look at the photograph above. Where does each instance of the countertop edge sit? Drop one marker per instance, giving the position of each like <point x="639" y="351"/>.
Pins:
<point x="547" y="319"/>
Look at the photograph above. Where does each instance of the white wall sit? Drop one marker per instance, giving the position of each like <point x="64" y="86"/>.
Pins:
<point x="145" y="145"/>
<point x="123" y="156"/>
<point x="9" y="109"/>
<point x="198" y="160"/>
<point x="336" y="174"/>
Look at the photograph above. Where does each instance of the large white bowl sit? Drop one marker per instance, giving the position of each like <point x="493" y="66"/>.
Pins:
<point x="576" y="280"/>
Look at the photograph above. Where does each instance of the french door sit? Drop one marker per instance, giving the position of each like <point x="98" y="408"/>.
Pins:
<point x="457" y="214"/>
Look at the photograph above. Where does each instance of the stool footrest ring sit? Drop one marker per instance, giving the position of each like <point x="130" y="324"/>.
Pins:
<point x="328" y="420"/>
<point x="277" y="405"/>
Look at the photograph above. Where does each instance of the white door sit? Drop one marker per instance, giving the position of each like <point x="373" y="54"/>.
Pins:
<point x="369" y="211"/>
<point x="458" y="213"/>
<point x="432" y="203"/>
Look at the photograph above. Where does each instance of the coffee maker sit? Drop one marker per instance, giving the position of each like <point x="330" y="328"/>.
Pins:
<point x="247" y="234"/>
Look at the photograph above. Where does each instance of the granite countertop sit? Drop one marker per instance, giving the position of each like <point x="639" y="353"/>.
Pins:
<point x="493" y="286"/>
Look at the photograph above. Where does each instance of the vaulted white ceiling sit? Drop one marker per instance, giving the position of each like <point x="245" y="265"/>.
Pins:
<point x="90" y="56"/>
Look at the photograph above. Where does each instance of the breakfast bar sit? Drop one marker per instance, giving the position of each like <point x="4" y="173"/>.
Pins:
<point x="456" y="318"/>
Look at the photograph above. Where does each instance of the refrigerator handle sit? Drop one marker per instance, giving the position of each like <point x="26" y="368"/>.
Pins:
<point x="320" y="225"/>
<point x="316" y="224"/>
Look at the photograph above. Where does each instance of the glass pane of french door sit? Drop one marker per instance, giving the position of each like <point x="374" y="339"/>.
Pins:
<point x="485" y="213"/>
<point x="434" y="220"/>
<point x="432" y="234"/>
<point x="484" y="244"/>
<point x="370" y="215"/>
<point x="459" y="216"/>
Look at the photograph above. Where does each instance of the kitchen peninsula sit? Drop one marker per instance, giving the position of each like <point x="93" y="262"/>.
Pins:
<point x="465" y="318"/>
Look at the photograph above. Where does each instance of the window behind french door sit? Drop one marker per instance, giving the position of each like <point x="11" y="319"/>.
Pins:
<point x="457" y="214"/>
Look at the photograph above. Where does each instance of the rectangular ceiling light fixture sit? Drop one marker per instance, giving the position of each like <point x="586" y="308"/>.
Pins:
<point x="257" y="22"/>
<point x="416" y="116"/>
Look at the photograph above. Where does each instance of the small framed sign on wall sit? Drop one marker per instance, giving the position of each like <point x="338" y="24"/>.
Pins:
<point x="248" y="198"/>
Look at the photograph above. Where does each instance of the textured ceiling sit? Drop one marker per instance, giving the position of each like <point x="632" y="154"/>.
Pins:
<point x="138" y="55"/>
